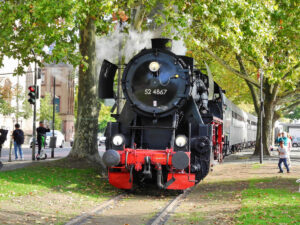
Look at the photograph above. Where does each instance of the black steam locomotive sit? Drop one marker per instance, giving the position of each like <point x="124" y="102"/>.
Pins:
<point x="171" y="126"/>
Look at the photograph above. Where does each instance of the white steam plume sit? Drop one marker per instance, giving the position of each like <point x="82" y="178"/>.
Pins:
<point x="108" y="47"/>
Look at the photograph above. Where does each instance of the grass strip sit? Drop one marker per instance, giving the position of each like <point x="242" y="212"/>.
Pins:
<point x="262" y="204"/>
<point x="38" y="180"/>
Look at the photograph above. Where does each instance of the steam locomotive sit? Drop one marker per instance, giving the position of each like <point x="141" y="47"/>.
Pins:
<point x="171" y="126"/>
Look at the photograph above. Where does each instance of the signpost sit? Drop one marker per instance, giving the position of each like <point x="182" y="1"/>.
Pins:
<point x="53" y="121"/>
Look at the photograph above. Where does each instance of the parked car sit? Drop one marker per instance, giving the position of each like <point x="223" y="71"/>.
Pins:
<point x="101" y="139"/>
<point x="296" y="142"/>
<point x="72" y="140"/>
<point x="60" y="139"/>
<point x="30" y="141"/>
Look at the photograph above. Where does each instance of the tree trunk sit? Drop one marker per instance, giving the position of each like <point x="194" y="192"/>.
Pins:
<point x="267" y="122"/>
<point x="86" y="129"/>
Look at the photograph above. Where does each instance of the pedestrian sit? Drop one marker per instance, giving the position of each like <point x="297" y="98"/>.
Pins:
<point x="41" y="136"/>
<point x="282" y="150"/>
<point x="284" y="138"/>
<point x="289" y="148"/>
<point x="18" y="136"/>
<point x="278" y="139"/>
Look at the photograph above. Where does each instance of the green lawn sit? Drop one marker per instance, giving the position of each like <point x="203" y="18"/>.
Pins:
<point x="267" y="205"/>
<point x="42" y="179"/>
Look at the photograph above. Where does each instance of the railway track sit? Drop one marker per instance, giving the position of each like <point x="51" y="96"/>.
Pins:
<point x="82" y="219"/>
<point x="106" y="212"/>
<point x="163" y="216"/>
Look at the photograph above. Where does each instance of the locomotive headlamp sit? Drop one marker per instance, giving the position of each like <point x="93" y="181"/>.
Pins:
<point x="154" y="66"/>
<point x="181" y="141"/>
<point x="118" y="140"/>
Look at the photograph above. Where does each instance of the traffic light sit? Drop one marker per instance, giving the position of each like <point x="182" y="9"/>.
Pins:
<point x="32" y="94"/>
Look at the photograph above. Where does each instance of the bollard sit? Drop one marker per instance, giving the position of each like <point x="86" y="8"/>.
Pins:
<point x="298" y="181"/>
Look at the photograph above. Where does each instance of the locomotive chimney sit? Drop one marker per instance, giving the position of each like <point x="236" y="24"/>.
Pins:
<point x="162" y="43"/>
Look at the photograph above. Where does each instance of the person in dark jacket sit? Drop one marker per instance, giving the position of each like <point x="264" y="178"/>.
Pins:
<point x="3" y="135"/>
<point x="41" y="133"/>
<point x="18" y="136"/>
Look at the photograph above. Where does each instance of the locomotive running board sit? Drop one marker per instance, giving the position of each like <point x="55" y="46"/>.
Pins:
<point x="169" y="182"/>
<point x="181" y="181"/>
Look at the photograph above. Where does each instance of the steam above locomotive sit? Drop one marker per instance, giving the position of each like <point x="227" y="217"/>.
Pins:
<point x="171" y="126"/>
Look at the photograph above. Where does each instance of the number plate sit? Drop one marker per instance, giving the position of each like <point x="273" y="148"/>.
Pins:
<point x="155" y="91"/>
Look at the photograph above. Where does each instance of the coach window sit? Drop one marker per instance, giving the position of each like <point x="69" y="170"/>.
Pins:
<point x="233" y="118"/>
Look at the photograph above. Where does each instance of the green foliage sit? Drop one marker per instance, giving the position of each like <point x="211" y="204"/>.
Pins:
<point x="34" y="26"/>
<point x="40" y="180"/>
<point x="294" y="115"/>
<point x="46" y="111"/>
<point x="263" y="33"/>
<point x="27" y="110"/>
<point x="5" y="107"/>
<point x="104" y="117"/>
<point x="6" y="95"/>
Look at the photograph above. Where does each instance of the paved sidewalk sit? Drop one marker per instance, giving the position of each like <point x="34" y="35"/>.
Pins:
<point x="247" y="156"/>
<point x="27" y="153"/>
<point x="17" y="164"/>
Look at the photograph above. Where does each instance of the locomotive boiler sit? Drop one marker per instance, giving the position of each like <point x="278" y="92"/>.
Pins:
<point x="170" y="128"/>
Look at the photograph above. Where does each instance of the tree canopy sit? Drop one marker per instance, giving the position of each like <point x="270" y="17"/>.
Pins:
<point x="244" y="37"/>
<point x="249" y="38"/>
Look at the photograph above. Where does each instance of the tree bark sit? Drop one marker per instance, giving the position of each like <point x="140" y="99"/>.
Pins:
<point x="86" y="128"/>
<point x="267" y="121"/>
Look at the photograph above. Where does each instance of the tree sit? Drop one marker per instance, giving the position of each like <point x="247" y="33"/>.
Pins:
<point x="104" y="117"/>
<point x="46" y="112"/>
<point x="29" y="28"/>
<point x="8" y="92"/>
<point x="258" y="36"/>
<point x="294" y="114"/>
<point x="6" y="95"/>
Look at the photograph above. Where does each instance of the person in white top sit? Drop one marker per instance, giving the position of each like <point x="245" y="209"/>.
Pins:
<point x="283" y="154"/>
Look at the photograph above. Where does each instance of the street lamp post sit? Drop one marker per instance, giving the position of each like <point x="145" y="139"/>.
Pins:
<point x="34" y="115"/>
<point x="53" y="120"/>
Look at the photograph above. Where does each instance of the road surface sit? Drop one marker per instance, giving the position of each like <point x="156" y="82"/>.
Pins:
<point x="27" y="152"/>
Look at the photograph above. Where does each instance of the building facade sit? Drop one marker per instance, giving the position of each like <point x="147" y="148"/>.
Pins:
<point x="18" y="88"/>
<point x="64" y="93"/>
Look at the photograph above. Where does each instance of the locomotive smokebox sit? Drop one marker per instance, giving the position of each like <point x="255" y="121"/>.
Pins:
<point x="111" y="158"/>
<point x="162" y="43"/>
